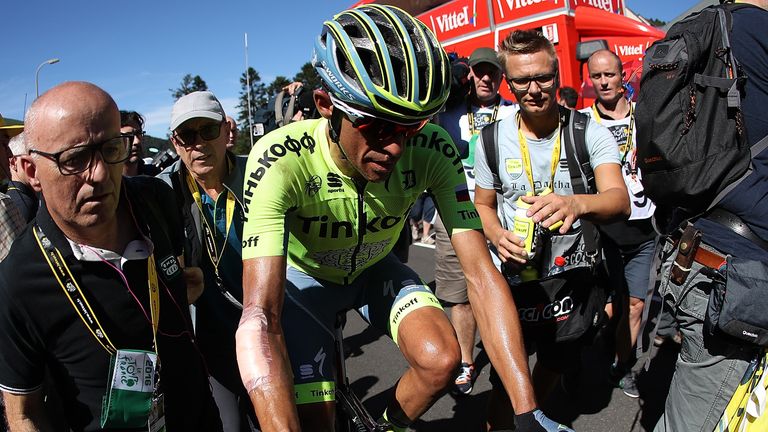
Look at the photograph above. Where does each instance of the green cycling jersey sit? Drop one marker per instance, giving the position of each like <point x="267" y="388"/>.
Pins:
<point x="299" y="204"/>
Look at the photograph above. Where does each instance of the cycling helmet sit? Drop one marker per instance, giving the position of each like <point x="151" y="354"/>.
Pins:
<point x="379" y="61"/>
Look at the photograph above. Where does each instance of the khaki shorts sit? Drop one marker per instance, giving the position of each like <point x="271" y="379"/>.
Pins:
<point x="450" y="285"/>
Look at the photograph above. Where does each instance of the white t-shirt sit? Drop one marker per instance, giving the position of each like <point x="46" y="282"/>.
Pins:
<point x="600" y="143"/>
<point x="642" y="207"/>
<point x="456" y="122"/>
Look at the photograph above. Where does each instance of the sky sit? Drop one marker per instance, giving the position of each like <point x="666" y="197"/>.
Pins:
<point x="137" y="50"/>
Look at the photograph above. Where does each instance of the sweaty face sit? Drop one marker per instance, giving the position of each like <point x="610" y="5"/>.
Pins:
<point x="201" y="156"/>
<point x="534" y="100"/>
<point x="371" y="156"/>
<point x="606" y="78"/>
<point x="88" y="198"/>
<point x="486" y="78"/>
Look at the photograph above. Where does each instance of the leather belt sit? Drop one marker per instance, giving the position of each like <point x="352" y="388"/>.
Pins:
<point x="689" y="250"/>
<point x="735" y="224"/>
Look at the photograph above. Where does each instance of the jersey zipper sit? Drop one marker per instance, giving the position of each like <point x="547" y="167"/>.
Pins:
<point x="360" y="224"/>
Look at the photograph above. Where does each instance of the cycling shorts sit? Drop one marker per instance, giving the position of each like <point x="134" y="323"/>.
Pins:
<point x="384" y="294"/>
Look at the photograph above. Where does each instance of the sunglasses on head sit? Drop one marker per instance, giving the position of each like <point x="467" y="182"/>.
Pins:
<point x="207" y="132"/>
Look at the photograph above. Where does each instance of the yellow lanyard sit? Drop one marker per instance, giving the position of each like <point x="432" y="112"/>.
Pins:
<point x="75" y="294"/>
<point x="471" y="118"/>
<point x="208" y="232"/>
<point x="527" y="156"/>
<point x="630" y="131"/>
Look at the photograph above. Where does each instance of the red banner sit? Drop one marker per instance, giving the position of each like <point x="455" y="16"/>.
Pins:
<point x="613" y="6"/>
<point x="516" y="9"/>
<point x="456" y="18"/>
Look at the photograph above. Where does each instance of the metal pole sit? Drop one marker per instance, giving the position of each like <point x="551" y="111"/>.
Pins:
<point x="248" y="91"/>
<point x="37" y="74"/>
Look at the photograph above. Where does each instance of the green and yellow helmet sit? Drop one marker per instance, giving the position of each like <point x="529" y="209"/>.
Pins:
<point x="380" y="61"/>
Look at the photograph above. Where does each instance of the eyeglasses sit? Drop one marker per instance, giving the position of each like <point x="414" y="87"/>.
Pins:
<point x="545" y="82"/>
<point x="80" y="158"/>
<point x="208" y="132"/>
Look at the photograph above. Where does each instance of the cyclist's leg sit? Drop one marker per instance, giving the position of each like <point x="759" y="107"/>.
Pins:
<point x="400" y="304"/>
<point x="308" y="318"/>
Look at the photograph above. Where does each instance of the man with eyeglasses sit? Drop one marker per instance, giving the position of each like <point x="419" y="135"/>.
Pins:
<point x="132" y="124"/>
<point x="531" y="159"/>
<point x="463" y="122"/>
<point x="93" y="291"/>
<point x="325" y="202"/>
<point x="208" y="182"/>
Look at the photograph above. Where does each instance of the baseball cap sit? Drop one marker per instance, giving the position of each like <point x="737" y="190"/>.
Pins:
<point x="195" y="105"/>
<point x="487" y="55"/>
<point x="11" y="130"/>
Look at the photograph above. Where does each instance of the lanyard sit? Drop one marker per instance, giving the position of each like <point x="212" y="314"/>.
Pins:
<point x="527" y="156"/>
<point x="471" y="117"/>
<point x="75" y="294"/>
<point x="630" y="131"/>
<point x="208" y="233"/>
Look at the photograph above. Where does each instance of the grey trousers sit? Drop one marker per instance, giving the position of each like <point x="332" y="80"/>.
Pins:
<point x="708" y="369"/>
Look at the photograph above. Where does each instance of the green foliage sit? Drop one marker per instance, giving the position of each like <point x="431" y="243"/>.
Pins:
<point x="188" y="85"/>
<point x="250" y="84"/>
<point x="308" y="75"/>
<point x="656" y="22"/>
<point x="277" y="85"/>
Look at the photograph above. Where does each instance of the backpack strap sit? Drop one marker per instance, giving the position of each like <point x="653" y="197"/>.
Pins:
<point x="283" y="118"/>
<point x="490" y="135"/>
<point x="580" y="168"/>
<point x="577" y="155"/>
<point x="279" y="109"/>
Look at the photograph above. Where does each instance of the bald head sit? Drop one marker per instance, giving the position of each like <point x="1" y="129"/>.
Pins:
<point x="604" y="56"/>
<point x="72" y="104"/>
<point x="607" y="77"/>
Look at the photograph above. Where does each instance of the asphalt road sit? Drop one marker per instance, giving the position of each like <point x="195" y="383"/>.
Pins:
<point x="374" y="364"/>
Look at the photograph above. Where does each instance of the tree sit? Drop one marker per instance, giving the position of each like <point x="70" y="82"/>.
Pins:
<point x="257" y="93"/>
<point x="308" y="75"/>
<point x="277" y="85"/>
<point x="188" y="85"/>
<point x="656" y="22"/>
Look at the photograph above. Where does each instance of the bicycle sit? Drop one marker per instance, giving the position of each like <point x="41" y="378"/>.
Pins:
<point x="351" y="415"/>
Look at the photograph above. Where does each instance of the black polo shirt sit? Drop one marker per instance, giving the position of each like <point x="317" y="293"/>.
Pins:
<point x="39" y="327"/>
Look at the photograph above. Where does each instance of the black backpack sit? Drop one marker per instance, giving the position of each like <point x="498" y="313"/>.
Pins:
<point x="692" y="147"/>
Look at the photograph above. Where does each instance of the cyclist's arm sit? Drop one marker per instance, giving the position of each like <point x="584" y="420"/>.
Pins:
<point x="496" y="317"/>
<point x="261" y="353"/>
<point x="25" y="412"/>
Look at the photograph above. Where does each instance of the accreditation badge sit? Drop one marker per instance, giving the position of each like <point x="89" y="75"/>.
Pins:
<point x="132" y="384"/>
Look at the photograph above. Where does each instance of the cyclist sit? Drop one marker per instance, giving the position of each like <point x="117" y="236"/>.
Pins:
<point x="325" y="201"/>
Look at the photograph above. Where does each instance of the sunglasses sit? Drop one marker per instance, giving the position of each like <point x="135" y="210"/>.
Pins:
<point x="208" y="132"/>
<point x="383" y="129"/>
